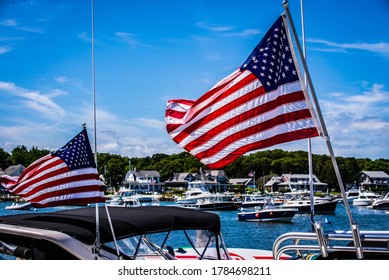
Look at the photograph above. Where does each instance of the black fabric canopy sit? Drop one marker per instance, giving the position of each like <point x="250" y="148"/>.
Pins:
<point x="81" y="223"/>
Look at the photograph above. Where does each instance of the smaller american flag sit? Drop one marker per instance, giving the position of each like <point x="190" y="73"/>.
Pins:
<point x="65" y="177"/>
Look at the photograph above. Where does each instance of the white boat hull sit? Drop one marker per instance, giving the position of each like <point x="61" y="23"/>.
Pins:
<point x="19" y="206"/>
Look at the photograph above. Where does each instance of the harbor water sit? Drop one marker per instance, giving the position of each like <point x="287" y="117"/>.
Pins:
<point x="261" y="235"/>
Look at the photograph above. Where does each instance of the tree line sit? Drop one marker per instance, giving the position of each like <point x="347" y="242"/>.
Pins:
<point x="265" y="164"/>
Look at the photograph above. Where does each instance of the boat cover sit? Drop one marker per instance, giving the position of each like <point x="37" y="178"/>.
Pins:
<point x="81" y="222"/>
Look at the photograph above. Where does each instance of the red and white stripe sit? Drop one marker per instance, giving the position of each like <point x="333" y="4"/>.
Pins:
<point x="49" y="182"/>
<point x="236" y="116"/>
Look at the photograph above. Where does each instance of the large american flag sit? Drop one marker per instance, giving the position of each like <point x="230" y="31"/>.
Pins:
<point x="65" y="177"/>
<point x="259" y="105"/>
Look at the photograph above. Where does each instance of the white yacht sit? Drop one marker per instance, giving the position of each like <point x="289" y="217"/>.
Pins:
<point x="197" y="190"/>
<point x="351" y="194"/>
<point x="365" y="199"/>
<point x="381" y="203"/>
<point x="301" y="201"/>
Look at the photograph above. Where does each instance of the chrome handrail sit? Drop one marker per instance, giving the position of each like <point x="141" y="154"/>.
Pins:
<point x="323" y="241"/>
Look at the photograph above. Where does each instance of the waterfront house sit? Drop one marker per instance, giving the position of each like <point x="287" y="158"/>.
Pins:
<point x="241" y="184"/>
<point x="370" y="180"/>
<point x="142" y="181"/>
<point x="214" y="180"/>
<point x="272" y="184"/>
<point x="13" y="171"/>
<point x="180" y="180"/>
<point x="294" y="182"/>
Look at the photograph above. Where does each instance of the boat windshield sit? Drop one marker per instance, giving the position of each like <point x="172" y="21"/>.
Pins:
<point x="185" y="244"/>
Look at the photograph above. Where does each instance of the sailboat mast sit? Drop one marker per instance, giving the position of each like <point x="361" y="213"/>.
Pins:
<point x="353" y="225"/>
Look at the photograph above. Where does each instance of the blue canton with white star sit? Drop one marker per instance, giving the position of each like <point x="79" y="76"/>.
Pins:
<point x="271" y="61"/>
<point x="77" y="153"/>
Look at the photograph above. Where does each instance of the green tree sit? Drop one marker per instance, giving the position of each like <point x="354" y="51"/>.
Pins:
<point x="115" y="171"/>
<point x="5" y="159"/>
<point x="19" y="155"/>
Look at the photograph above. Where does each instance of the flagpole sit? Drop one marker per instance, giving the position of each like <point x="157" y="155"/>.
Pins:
<point x="97" y="244"/>
<point x="97" y="241"/>
<point x="310" y="161"/>
<point x="353" y="225"/>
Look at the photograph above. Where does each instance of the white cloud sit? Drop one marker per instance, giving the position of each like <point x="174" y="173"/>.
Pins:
<point x="134" y="137"/>
<point x="14" y="24"/>
<point x="4" y="50"/>
<point x="378" y="48"/>
<point x="62" y="79"/>
<point x="358" y="105"/>
<point x="357" y="122"/>
<point x="243" y="33"/>
<point x="214" y="27"/>
<point x="9" y="23"/>
<point x="35" y="100"/>
<point x="84" y="37"/>
<point x="227" y="31"/>
<point x="154" y="123"/>
<point x="130" y="39"/>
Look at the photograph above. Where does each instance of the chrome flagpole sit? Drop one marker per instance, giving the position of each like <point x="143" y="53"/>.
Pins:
<point x="310" y="160"/>
<point x="353" y="225"/>
<point x="97" y="241"/>
<point x="97" y="244"/>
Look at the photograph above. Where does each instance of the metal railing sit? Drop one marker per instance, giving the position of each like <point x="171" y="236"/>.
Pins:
<point x="374" y="243"/>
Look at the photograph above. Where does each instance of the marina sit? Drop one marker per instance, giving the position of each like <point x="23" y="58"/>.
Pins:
<point x="255" y="235"/>
<point x="268" y="100"/>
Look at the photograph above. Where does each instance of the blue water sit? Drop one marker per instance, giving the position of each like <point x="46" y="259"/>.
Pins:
<point x="263" y="234"/>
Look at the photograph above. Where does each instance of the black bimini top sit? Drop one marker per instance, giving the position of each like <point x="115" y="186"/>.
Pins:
<point x="127" y="221"/>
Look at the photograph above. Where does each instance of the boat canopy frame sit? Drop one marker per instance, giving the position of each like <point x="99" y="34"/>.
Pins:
<point x="127" y="221"/>
<point x="134" y="228"/>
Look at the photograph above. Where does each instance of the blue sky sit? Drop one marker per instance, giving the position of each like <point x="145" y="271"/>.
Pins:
<point x="150" y="51"/>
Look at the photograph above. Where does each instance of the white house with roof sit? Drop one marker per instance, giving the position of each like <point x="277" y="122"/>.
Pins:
<point x="214" y="180"/>
<point x="12" y="170"/>
<point x="293" y="182"/>
<point x="272" y="184"/>
<point x="243" y="182"/>
<point x="373" y="179"/>
<point x="180" y="180"/>
<point x="142" y="181"/>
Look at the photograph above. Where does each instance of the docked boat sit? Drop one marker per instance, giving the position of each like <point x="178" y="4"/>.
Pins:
<point x="120" y="202"/>
<point x="141" y="233"/>
<point x="352" y="194"/>
<point x="302" y="202"/>
<point x="197" y="190"/>
<point x="19" y="206"/>
<point x="268" y="213"/>
<point x="214" y="204"/>
<point x="127" y="198"/>
<point x="381" y="203"/>
<point x="191" y="196"/>
<point x="250" y="201"/>
<point x="365" y="199"/>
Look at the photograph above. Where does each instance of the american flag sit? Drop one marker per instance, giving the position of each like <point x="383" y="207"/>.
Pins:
<point x="261" y="104"/>
<point x="65" y="177"/>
